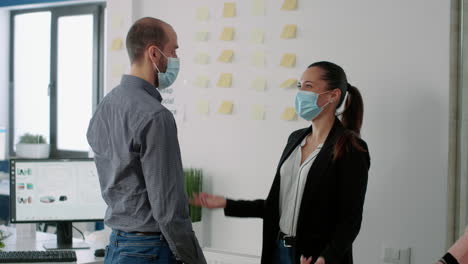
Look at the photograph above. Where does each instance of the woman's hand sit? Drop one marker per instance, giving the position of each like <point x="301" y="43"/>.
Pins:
<point x="321" y="260"/>
<point x="304" y="260"/>
<point x="208" y="201"/>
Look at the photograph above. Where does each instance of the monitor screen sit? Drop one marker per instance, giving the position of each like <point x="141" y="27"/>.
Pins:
<point x="55" y="190"/>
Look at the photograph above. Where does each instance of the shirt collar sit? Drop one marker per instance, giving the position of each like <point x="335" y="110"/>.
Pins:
<point x="304" y="141"/>
<point x="132" y="81"/>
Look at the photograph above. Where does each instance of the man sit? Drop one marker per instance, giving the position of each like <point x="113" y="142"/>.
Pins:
<point x="134" y="139"/>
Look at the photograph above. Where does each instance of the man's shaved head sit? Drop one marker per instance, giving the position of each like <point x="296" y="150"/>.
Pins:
<point x="143" y="33"/>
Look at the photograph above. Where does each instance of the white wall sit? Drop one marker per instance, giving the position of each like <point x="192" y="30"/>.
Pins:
<point x="396" y="52"/>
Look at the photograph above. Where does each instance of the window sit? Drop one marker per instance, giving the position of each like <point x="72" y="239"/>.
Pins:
<point x="56" y="74"/>
<point x="458" y="144"/>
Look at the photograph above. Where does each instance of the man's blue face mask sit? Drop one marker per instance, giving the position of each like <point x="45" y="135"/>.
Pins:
<point x="167" y="78"/>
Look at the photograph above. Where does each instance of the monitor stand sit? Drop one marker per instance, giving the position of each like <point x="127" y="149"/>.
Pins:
<point x="65" y="238"/>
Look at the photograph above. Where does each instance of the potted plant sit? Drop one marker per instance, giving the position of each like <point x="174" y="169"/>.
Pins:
<point x="2" y="245"/>
<point x="32" y="147"/>
<point x="193" y="184"/>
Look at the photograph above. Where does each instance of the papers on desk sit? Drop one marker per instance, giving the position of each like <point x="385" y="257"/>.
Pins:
<point x="5" y="232"/>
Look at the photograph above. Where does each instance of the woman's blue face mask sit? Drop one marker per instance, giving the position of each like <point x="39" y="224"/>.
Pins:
<point x="306" y="104"/>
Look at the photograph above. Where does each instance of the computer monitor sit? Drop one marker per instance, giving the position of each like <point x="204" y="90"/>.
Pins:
<point x="55" y="190"/>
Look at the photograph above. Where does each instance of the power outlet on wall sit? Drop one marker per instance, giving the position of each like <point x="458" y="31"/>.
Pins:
<point x="405" y="256"/>
<point x="396" y="256"/>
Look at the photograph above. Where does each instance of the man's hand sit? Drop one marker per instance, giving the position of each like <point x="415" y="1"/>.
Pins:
<point x="306" y="260"/>
<point x="208" y="201"/>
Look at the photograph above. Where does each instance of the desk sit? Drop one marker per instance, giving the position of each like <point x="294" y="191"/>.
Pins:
<point x="13" y="244"/>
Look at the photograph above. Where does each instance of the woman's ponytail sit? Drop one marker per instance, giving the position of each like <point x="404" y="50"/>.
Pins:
<point x="351" y="118"/>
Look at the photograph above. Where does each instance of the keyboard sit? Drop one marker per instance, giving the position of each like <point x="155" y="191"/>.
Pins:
<point x="37" y="256"/>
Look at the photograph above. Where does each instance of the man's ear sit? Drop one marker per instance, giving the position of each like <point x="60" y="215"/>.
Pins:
<point x="153" y="54"/>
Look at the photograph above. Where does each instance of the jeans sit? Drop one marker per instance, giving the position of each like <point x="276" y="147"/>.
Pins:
<point x="134" y="248"/>
<point x="283" y="255"/>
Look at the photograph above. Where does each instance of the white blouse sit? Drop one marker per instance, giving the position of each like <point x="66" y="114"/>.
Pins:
<point x="293" y="180"/>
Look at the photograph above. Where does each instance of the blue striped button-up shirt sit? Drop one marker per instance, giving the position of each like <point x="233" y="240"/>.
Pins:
<point x="134" y="139"/>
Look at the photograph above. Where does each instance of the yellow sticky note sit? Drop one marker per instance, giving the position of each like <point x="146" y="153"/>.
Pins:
<point x="259" y="84"/>
<point x="258" y="59"/>
<point x="117" y="44"/>
<point x="289" y="114"/>
<point x="229" y="10"/>
<point x="288" y="60"/>
<point x="201" y="36"/>
<point x="226" y="56"/>
<point x="289" y="83"/>
<point x="258" y="112"/>
<point x="203" y="107"/>
<point x="258" y="8"/>
<point x="203" y="14"/>
<point x="117" y="22"/>
<point x="289" y="5"/>
<point x="202" y="58"/>
<point x="226" y="108"/>
<point x="228" y="34"/>
<point x="202" y="81"/>
<point x="117" y="70"/>
<point x="258" y="36"/>
<point x="225" y="80"/>
<point x="289" y="32"/>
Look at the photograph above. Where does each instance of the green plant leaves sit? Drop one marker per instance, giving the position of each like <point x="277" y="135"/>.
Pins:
<point x="193" y="184"/>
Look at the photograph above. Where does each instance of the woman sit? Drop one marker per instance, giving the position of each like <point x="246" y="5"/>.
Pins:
<point x="314" y="208"/>
<point x="458" y="253"/>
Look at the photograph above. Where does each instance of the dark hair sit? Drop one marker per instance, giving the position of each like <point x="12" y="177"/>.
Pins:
<point x="353" y="112"/>
<point x="144" y="32"/>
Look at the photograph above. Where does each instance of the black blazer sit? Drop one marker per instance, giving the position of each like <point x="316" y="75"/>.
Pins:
<point x="331" y="209"/>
